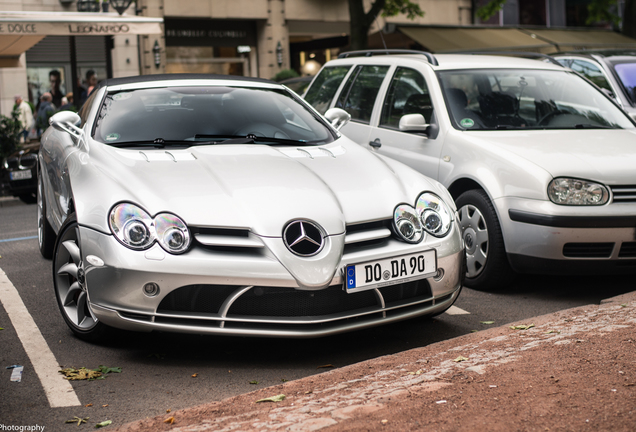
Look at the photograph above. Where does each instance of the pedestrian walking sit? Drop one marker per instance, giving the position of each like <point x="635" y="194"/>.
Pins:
<point x="25" y="117"/>
<point x="46" y="110"/>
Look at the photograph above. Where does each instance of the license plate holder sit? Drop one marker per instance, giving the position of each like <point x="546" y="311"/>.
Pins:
<point x="390" y="271"/>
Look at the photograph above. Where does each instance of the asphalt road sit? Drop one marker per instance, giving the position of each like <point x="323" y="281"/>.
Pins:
<point x="157" y="369"/>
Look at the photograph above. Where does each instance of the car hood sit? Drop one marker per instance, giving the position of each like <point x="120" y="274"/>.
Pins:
<point x="257" y="187"/>
<point x="607" y="156"/>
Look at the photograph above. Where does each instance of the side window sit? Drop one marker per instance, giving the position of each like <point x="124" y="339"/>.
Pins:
<point x="591" y="72"/>
<point x="324" y="87"/>
<point x="408" y="94"/>
<point x="359" y="94"/>
<point x="85" y="109"/>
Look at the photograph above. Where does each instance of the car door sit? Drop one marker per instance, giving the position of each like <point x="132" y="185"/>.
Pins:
<point x="358" y="98"/>
<point x="408" y="93"/>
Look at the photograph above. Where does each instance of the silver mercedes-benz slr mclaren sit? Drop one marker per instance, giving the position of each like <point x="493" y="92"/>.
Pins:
<point x="220" y="205"/>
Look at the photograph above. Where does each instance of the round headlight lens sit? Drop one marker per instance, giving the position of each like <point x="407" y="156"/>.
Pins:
<point x="434" y="213"/>
<point x="132" y="226"/>
<point x="570" y="191"/>
<point x="407" y="224"/>
<point x="172" y="233"/>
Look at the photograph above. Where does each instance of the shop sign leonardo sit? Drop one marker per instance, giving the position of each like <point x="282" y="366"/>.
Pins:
<point x="85" y="29"/>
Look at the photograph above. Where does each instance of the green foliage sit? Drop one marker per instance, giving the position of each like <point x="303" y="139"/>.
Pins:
<point x="10" y="129"/>
<point x="406" y="7"/>
<point x="285" y="74"/>
<point x="603" y="11"/>
<point x="489" y="9"/>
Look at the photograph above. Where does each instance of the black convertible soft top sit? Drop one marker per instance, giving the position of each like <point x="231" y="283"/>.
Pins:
<point x="181" y="76"/>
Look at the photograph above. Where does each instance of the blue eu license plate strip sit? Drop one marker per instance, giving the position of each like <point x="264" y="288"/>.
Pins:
<point x="390" y="271"/>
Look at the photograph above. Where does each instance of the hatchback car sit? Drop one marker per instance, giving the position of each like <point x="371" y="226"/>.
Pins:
<point x="220" y="205"/>
<point x="540" y="162"/>
<point x="614" y="71"/>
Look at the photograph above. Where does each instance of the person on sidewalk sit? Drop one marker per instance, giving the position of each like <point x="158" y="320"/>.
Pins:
<point x="25" y="117"/>
<point x="46" y="110"/>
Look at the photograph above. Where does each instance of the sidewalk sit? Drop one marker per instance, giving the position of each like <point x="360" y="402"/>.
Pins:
<point x="574" y="370"/>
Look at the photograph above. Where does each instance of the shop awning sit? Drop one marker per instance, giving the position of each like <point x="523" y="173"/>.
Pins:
<point x="19" y="31"/>
<point x="457" y="39"/>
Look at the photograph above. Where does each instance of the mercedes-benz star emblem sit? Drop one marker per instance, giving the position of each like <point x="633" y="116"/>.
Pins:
<point x="303" y="238"/>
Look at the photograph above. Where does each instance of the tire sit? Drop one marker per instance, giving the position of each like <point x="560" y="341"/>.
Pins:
<point x="69" y="282"/>
<point x="487" y="266"/>
<point x="46" y="235"/>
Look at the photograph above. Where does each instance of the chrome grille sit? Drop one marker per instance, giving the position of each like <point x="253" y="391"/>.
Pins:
<point x="624" y="193"/>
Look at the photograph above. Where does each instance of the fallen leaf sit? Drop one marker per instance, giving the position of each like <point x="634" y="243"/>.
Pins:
<point x="103" y="424"/>
<point x="419" y="372"/>
<point x="441" y="402"/>
<point x="460" y="359"/>
<point x="88" y="405"/>
<point x="104" y="406"/>
<point x="253" y="382"/>
<point x="624" y="305"/>
<point x="168" y="410"/>
<point x="195" y="375"/>
<point x="325" y="366"/>
<point x="384" y="421"/>
<point x="169" y="420"/>
<point x="309" y="392"/>
<point x="284" y="380"/>
<point x="552" y="332"/>
<point x="278" y="398"/>
<point x="474" y="331"/>
<point x="486" y="322"/>
<point x="81" y="374"/>
<point x="522" y="327"/>
<point x="77" y="420"/>
<point x="106" y="370"/>
<point x="1" y="328"/>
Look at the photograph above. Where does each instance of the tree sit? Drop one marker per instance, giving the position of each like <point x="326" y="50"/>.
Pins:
<point x="599" y="10"/>
<point x="361" y="21"/>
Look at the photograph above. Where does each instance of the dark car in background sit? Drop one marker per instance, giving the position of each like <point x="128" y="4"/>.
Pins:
<point x="612" y="70"/>
<point x="19" y="175"/>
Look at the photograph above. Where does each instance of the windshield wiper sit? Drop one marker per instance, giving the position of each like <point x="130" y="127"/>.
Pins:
<point x="591" y="126"/>
<point x="159" y="143"/>
<point x="251" y="139"/>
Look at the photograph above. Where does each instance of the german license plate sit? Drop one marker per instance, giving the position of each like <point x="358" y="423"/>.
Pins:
<point x="390" y="271"/>
<point x="21" y="175"/>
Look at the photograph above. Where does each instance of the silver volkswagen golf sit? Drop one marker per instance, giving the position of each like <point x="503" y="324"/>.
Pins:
<point x="220" y="205"/>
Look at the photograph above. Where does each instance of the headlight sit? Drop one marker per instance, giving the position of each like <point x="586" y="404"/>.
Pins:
<point x="172" y="233"/>
<point x="134" y="228"/>
<point x="570" y="191"/>
<point x="407" y="224"/>
<point x="434" y="213"/>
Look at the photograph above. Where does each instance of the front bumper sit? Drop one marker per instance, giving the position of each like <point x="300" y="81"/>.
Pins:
<point x="250" y="293"/>
<point x="542" y="237"/>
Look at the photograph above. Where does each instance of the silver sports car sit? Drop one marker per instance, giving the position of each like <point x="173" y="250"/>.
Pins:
<point x="220" y="205"/>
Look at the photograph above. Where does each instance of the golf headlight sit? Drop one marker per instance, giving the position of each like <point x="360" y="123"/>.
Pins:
<point x="434" y="213"/>
<point x="407" y="224"/>
<point x="134" y="228"/>
<point x="570" y="191"/>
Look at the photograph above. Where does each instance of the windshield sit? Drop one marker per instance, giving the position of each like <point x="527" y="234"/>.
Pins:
<point x="191" y="115"/>
<point x="527" y="99"/>
<point x="627" y="73"/>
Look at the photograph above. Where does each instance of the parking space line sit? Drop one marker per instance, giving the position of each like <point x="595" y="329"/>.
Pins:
<point x="18" y="238"/>
<point x="454" y="310"/>
<point x="58" y="391"/>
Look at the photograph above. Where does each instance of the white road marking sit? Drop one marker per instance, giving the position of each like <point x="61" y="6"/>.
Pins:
<point x="58" y="391"/>
<point x="454" y="310"/>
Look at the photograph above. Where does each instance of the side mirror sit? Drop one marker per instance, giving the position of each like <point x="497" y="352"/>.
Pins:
<point x="66" y="121"/>
<point x="337" y="117"/>
<point x="413" y="123"/>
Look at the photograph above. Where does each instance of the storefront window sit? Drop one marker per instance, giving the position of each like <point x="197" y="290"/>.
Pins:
<point x="202" y="59"/>
<point x="46" y="79"/>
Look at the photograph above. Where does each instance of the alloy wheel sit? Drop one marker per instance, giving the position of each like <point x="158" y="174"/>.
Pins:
<point x="475" y="235"/>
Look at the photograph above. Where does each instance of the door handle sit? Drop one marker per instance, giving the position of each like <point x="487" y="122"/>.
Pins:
<point x="376" y="143"/>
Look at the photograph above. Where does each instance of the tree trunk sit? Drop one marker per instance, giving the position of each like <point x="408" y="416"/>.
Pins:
<point x="629" y="19"/>
<point x="360" y="22"/>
